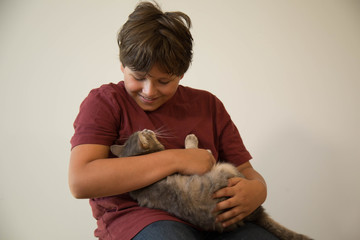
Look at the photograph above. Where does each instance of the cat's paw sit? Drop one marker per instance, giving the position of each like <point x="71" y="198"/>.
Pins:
<point x="145" y="137"/>
<point x="143" y="140"/>
<point x="191" y="141"/>
<point x="226" y="169"/>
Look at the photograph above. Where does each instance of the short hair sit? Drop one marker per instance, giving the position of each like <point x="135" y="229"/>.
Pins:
<point x="151" y="36"/>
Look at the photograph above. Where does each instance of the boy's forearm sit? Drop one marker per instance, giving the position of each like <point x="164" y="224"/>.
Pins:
<point x="251" y="174"/>
<point x="111" y="176"/>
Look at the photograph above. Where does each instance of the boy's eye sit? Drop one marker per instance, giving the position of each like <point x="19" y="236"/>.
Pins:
<point x="139" y="78"/>
<point x="164" y="82"/>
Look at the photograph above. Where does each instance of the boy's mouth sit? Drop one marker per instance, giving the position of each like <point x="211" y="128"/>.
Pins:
<point x="147" y="99"/>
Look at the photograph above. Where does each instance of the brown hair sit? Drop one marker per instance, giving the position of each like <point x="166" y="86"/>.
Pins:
<point x="151" y="36"/>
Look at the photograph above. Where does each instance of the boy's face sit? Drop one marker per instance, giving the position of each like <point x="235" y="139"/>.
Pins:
<point x="151" y="90"/>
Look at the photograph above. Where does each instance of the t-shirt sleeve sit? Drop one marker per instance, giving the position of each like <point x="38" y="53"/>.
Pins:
<point x="98" y="119"/>
<point x="231" y="146"/>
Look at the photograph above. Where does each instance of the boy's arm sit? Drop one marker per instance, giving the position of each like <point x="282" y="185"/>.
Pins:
<point x="92" y="174"/>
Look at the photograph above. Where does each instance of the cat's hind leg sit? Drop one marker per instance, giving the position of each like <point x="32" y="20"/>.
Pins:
<point x="191" y="141"/>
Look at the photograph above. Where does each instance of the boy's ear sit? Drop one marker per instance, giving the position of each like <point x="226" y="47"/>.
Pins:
<point x="116" y="149"/>
<point x="122" y="67"/>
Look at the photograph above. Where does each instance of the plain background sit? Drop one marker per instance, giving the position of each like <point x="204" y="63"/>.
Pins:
<point x="287" y="71"/>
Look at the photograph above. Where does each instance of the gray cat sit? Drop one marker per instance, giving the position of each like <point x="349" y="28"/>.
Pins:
<point x="189" y="197"/>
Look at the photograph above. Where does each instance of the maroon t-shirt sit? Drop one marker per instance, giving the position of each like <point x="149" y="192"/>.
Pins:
<point x="109" y="115"/>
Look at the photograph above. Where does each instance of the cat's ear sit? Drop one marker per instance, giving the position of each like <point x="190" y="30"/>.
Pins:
<point x="116" y="149"/>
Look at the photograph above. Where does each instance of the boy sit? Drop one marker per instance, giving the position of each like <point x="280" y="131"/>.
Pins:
<point x="155" y="53"/>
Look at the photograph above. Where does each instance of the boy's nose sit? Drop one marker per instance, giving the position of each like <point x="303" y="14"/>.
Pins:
<point x="148" y="88"/>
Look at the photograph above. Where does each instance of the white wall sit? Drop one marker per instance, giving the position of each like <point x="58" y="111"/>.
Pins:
<point x="287" y="71"/>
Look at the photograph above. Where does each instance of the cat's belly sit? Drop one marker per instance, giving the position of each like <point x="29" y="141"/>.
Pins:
<point x="188" y="197"/>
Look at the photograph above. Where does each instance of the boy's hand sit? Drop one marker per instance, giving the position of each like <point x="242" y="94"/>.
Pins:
<point x="244" y="196"/>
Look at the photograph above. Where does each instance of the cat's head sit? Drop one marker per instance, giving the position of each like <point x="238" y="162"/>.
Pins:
<point x="139" y="143"/>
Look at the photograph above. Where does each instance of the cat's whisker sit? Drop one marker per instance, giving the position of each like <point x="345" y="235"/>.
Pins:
<point x="160" y="130"/>
<point x="165" y="137"/>
<point x="163" y="133"/>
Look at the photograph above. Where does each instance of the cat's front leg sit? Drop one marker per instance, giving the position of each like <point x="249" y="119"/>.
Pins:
<point x="191" y="141"/>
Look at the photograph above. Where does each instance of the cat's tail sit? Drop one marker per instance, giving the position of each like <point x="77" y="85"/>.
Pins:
<point x="264" y="220"/>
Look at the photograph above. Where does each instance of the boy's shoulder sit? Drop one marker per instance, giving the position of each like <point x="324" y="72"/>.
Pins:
<point x="195" y="92"/>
